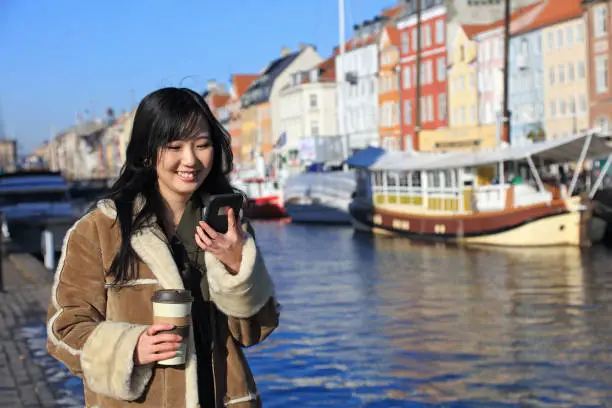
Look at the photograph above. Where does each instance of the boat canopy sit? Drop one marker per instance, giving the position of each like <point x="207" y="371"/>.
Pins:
<point x="562" y="150"/>
<point x="365" y="157"/>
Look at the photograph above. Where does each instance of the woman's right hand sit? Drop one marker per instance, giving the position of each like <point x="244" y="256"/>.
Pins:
<point x="154" y="347"/>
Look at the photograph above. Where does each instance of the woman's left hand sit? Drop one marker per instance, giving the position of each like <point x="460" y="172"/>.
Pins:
<point x="227" y="247"/>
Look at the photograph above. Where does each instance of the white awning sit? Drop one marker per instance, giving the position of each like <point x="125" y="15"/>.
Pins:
<point x="561" y="150"/>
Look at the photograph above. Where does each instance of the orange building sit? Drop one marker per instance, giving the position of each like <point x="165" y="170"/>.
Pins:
<point x="388" y="89"/>
<point x="239" y="85"/>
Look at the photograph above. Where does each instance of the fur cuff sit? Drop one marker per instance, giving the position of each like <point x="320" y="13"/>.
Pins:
<point x="108" y="361"/>
<point x="244" y="294"/>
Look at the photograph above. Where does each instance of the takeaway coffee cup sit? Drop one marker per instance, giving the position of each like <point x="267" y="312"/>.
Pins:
<point x="173" y="306"/>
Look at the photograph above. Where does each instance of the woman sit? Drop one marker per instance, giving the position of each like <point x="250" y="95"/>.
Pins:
<point x="148" y="235"/>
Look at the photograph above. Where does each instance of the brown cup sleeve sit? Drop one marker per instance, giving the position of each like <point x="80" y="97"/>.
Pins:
<point x="175" y="321"/>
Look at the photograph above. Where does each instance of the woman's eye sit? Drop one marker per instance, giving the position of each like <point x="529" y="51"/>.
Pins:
<point x="173" y="148"/>
<point x="203" y="145"/>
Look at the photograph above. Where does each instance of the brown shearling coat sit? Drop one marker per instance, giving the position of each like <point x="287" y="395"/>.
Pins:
<point x="93" y="328"/>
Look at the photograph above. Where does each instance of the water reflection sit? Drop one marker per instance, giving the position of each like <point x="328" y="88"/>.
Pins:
<point x="376" y="321"/>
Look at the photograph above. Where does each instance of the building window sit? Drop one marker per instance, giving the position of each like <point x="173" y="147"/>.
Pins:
<point x="405" y="42"/>
<point x="461" y="53"/>
<point x="442" y="106"/>
<point x="551" y="41"/>
<point x="473" y="113"/>
<point x="524" y="47"/>
<point x="570" y="72"/>
<point x="579" y="32"/>
<point x="408" y="112"/>
<point x="600" y="17"/>
<point x="583" y="104"/>
<point x="440" y="32"/>
<point x="561" y="74"/>
<point x="314" y="75"/>
<point x="314" y="128"/>
<point x="601" y="73"/>
<point x="553" y="109"/>
<point x="581" y="71"/>
<point x="551" y="75"/>
<point x="441" y="69"/>
<point x="427" y="36"/>
<point x="406" y="78"/>
<point x="414" y="39"/>
<point x="423" y="109"/>
<point x="560" y="38"/>
<point x="313" y="100"/>
<point x="561" y="108"/>
<point x="430" y="108"/>
<point x="569" y="36"/>
<point x="472" y="80"/>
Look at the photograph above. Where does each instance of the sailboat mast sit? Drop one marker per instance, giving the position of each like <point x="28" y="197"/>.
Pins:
<point x="505" y="111"/>
<point x="341" y="83"/>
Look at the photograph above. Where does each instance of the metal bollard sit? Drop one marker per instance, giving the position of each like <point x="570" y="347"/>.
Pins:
<point x="49" y="249"/>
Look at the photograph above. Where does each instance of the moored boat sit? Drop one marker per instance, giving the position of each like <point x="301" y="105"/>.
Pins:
<point x="320" y="197"/>
<point x="264" y="197"/>
<point x="493" y="197"/>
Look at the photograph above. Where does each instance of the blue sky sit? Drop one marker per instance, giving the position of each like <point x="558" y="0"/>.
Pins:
<point x="66" y="56"/>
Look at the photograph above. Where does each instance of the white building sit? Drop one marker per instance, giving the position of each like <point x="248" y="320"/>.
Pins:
<point x="308" y="109"/>
<point x="356" y="75"/>
<point x="306" y="58"/>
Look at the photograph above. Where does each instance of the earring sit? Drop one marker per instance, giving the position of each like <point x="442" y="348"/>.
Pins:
<point x="147" y="162"/>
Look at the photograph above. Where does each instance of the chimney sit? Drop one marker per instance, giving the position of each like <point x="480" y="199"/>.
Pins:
<point x="285" y="51"/>
<point x="211" y="85"/>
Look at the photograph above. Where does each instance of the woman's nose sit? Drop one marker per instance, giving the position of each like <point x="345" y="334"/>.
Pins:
<point x="189" y="157"/>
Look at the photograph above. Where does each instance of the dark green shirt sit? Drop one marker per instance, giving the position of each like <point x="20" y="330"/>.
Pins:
<point x="189" y="258"/>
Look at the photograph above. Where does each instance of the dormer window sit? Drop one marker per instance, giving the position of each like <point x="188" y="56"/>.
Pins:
<point x="314" y="75"/>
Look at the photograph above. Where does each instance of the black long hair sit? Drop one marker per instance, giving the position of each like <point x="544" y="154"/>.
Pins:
<point x="163" y="116"/>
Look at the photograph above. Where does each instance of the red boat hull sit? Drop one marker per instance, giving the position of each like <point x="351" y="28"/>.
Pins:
<point x="265" y="208"/>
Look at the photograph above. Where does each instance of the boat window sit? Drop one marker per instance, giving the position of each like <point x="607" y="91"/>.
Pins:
<point x="416" y="179"/>
<point x="378" y="178"/>
<point x="403" y="180"/>
<point x="448" y="180"/>
<point x="391" y="179"/>
<point x="433" y="179"/>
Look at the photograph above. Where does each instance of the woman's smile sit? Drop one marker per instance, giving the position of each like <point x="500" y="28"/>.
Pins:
<point x="188" y="176"/>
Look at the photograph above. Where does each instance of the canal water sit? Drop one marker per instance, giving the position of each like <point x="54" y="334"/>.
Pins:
<point x="386" y="322"/>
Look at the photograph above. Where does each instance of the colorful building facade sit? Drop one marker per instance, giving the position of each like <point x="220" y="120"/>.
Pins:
<point x="599" y="43"/>
<point x="433" y="83"/>
<point x="389" y="127"/>
<point x="566" y="89"/>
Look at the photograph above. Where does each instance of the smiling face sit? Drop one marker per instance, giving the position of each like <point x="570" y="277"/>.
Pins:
<point x="183" y="165"/>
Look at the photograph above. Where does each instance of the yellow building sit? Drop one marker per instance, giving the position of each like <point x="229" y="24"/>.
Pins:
<point x="256" y="132"/>
<point x="249" y="132"/>
<point x="467" y="138"/>
<point x="565" y="72"/>
<point x="463" y="78"/>
<point x="464" y="131"/>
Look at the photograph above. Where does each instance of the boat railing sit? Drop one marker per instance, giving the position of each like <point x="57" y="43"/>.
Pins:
<point x="491" y="197"/>
<point x="525" y="195"/>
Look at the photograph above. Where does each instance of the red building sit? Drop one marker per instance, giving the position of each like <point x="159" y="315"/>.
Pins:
<point x="433" y="84"/>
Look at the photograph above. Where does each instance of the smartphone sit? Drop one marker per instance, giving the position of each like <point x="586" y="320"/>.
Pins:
<point x="216" y="208"/>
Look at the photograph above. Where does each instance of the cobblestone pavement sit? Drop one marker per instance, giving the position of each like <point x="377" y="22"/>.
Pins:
<point x="27" y="285"/>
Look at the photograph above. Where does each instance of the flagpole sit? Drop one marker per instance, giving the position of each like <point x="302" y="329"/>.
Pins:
<point x="341" y="84"/>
